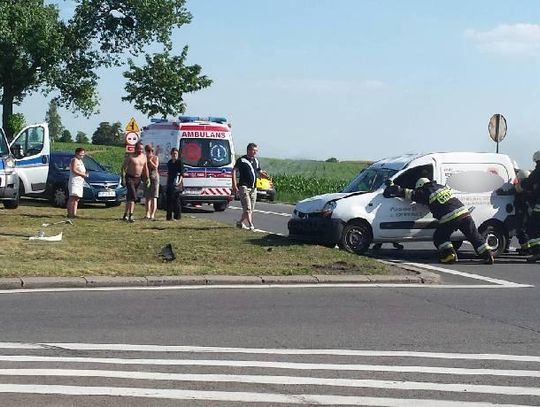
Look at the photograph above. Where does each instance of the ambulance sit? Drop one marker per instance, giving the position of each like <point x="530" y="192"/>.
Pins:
<point x="207" y="152"/>
<point x="24" y="163"/>
<point x="360" y="214"/>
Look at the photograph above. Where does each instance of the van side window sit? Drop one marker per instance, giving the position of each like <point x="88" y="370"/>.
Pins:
<point x="408" y="178"/>
<point x="30" y="142"/>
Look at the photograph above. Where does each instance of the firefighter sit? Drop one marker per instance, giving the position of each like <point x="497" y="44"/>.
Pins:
<point x="451" y="215"/>
<point x="521" y="204"/>
<point x="532" y="186"/>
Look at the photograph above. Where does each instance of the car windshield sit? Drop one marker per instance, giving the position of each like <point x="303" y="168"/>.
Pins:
<point x="3" y="144"/>
<point x="61" y="163"/>
<point x="369" y="180"/>
<point x="205" y="152"/>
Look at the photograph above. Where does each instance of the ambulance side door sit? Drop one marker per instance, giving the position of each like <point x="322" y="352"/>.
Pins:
<point x="31" y="149"/>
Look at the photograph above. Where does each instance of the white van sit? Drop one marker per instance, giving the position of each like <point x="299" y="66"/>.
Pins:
<point x="24" y="164"/>
<point x="360" y="215"/>
<point x="207" y="152"/>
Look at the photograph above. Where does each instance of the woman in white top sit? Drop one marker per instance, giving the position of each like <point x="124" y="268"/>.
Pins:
<point x="77" y="174"/>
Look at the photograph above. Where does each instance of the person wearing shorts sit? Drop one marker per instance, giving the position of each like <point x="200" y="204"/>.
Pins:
<point x="133" y="169"/>
<point x="248" y="169"/>
<point x="151" y="193"/>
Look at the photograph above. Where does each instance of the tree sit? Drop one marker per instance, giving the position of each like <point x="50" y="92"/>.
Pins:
<point x="332" y="160"/>
<point x="81" y="138"/>
<point x="107" y="134"/>
<point x="40" y="52"/>
<point x="16" y="123"/>
<point x="158" y="87"/>
<point x="66" y="137"/>
<point x="52" y="117"/>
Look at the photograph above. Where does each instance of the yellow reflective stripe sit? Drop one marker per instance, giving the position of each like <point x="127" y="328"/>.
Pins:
<point x="454" y="214"/>
<point x="534" y="242"/>
<point x="445" y="245"/>
<point x="525" y="246"/>
<point x="536" y="208"/>
<point x="484" y="248"/>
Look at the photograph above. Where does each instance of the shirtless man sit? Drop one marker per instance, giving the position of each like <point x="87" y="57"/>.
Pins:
<point x="134" y="167"/>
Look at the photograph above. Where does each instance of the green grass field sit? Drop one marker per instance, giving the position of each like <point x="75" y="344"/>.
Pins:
<point x="294" y="179"/>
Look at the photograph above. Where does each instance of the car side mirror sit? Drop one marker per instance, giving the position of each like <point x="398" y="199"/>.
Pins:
<point x="17" y="151"/>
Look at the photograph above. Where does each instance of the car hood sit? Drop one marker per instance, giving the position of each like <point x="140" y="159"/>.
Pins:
<point x="316" y="203"/>
<point x="102" y="176"/>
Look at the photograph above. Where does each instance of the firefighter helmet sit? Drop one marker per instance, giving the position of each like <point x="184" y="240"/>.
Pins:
<point x="420" y="183"/>
<point x="536" y="156"/>
<point x="522" y="174"/>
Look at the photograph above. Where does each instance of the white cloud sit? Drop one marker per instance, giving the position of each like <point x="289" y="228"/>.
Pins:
<point x="508" y="39"/>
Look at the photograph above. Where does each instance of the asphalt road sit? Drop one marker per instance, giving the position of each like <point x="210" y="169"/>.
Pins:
<point x="470" y="341"/>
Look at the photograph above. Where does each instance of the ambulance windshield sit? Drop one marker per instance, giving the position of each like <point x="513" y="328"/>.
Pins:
<point x="369" y="180"/>
<point x="198" y="152"/>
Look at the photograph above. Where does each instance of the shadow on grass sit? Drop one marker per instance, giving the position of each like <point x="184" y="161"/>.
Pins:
<point x="274" y="241"/>
<point x="26" y="236"/>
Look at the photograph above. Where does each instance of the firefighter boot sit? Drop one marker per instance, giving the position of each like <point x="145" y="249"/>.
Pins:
<point x="533" y="258"/>
<point x="448" y="256"/>
<point x="488" y="257"/>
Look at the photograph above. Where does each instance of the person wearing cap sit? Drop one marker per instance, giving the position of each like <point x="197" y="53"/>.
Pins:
<point x="532" y="187"/>
<point x="451" y="214"/>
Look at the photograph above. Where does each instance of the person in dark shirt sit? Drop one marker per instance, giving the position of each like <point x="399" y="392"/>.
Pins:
<point x="175" y="169"/>
<point x="532" y="187"/>
<point x="248" y="169"/>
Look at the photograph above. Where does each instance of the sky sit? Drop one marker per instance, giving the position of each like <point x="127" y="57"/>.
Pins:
<point x="353" y="79"/>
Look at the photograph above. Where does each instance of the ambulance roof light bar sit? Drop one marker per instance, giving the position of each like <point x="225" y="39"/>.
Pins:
<point x="188" y="119"/>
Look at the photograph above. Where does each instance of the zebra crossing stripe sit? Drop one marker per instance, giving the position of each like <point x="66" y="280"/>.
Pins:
<point x="265" y="351"/>
<point x="274" y="365"/>
<point x="245" y="397"/>
<point x="281" y="380"/>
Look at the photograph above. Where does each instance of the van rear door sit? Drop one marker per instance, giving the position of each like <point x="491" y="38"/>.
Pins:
<point x="31" y="149"/>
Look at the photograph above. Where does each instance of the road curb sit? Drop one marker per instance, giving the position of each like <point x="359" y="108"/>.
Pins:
<point x="418" y="276"/>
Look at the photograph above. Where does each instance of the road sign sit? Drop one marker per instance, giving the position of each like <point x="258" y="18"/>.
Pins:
<point x="132" y="126"/>
<point x="497" y="127"/>
<point x="131" y="138"/>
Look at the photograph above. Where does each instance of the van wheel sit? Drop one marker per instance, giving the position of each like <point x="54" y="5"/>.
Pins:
<point x="220" y="207"/>
<point x="495" y="238"/>
<point x="356" y="238"/>
<point x="59" y="197"/>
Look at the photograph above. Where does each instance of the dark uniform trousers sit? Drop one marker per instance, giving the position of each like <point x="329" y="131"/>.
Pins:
<point x="174" y="206"/>
<point x="533" y="230"/>
<point x="441" y="237"/>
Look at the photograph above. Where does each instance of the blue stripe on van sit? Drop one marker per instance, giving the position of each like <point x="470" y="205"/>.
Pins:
<point x="33" y="162"/>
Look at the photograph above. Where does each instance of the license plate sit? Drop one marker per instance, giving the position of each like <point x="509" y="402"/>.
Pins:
<point x="106" y="194"/>
<point x="191" y="191"/>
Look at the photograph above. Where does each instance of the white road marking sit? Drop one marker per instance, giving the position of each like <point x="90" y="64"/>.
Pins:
<point x="213" y="349"/>
<point x="285" y="214"/>
<point x="496" y="281"/>
<point x="245" y="397"/>
<point x="280" y="380"/>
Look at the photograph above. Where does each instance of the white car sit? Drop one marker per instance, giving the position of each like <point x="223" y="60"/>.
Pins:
<point x="360" y="215"/>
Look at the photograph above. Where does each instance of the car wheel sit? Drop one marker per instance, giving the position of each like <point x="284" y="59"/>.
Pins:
<point x="12" y="203"/>
<point x="457" y="244"/>
<point x="495" y="238"/>
<point x="356" y="238"/>
<point x="59" y="196"/>
<point x="271" y="197"/>
<point x="220" y="207"/>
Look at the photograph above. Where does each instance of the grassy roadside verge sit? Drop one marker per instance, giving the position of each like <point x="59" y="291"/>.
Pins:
<point x="101" y="244"/>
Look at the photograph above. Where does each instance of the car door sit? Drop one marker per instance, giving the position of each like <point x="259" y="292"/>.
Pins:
<point x="402" y="219"/>
<point x="31" y="149"/>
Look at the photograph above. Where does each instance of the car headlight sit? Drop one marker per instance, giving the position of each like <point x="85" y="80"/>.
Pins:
<point x="328" y="208"/>
<point x="10" y="162"/>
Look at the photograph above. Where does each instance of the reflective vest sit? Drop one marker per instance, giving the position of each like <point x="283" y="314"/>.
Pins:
<point x="441" y="201"/>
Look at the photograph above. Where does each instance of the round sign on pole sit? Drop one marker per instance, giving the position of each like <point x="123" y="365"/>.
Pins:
<point x="497" y="127"/>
